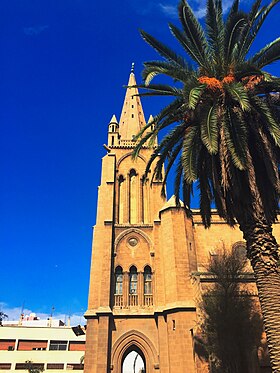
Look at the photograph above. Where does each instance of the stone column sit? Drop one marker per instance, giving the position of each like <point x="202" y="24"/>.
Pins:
<point x="125" y="289"/>
<point x="140" y="289"/>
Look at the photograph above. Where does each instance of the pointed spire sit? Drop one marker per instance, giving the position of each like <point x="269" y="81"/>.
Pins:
<point x="113" y="119"/>
<point x="132" y="116"/>
<point x="151" y="118"/>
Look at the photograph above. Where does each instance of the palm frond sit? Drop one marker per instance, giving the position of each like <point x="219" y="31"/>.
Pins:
<point x="209" y="129"/>
<point x="233" y="33"/>
<point x="264" y="111"/>
<point x="194" y="95"/>
<point x="187" y="45"/>
<point x="216" y="32"/>
<point x="246" y="40"/>
<point x="178" y="180"/>
<point x="205" y="193"/>
<point x="164" y="150"/>
<point x="190" y="151"/>
<point x="162" y="49"/>
<point x="245" y="69"/>
<point x="257" y="19"/>
<point x="158" y="90"/>
<point x="239" y="94"/>
<point x="170" y="69"/>
<point x="194" y="32"/>
<point x="171" y="159"/>
<point x="236" y="137"/>
<point x="270" y="53"/>
<point x="233" y="10"/>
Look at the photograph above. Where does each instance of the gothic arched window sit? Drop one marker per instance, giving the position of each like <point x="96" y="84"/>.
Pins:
<point x="121" y="199"/>
<point x="132" y="196"/>
<point x="147" y="280"/>
<point x="119" y="281"/>
<point x="133" y="277"/>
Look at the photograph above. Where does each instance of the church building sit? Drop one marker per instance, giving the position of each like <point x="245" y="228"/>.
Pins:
<point x="148" y="261"/>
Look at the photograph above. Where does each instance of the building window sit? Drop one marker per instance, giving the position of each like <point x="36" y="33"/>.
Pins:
<point x="119" y="281"/>
<point x="75" y="366"/>
<point x="132" y="115"/>
<point x="58" y="345"/>
<point x="77" y="346"/>
<point x="5" y="366"/>
<point x="29" y="345"/>
<point x="27" y="365"/>
<point x="7" y="344"/>
<point x="148" y="288"/>
<point x="133" y="280"/>
<point x="55" y="366"/>
<point x="121" y="205"/>
<point x="147" y="280"/>
<point x="133" y="197"/>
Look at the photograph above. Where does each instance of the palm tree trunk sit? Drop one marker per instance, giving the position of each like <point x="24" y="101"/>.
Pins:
<point x="263" y="251"/>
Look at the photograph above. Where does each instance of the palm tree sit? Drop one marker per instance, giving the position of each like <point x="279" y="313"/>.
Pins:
<point x="224" y="133"/>
<point x="2" y="317"/>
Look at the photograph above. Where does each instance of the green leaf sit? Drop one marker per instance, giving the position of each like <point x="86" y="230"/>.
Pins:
<point x="236" y="138"/>
<point x="209" y="129"/>
<point x="170" y="69"/>
<point x="271" y="123"/>
<point x="256" y="19"/>
<point x="195" y="95"/>
<point x="216" y="32"/>
<point x="239" y="94"/>
<point x="270" y="53"/>
<point x="189" y="154"/>
<point x="163" y="50"/>
<point x="194" y="32"/>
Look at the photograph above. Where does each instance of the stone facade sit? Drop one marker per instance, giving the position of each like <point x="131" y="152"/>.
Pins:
<point x="147" y="262"/>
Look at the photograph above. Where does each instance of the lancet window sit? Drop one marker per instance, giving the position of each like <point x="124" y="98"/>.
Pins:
<point x="133" y="284"/>
<point x="133" y="288"/>
<point x="119" y="287"/>
<point x="133" y="197"/>
<point x="148" y="290"/>
<point x="121" y="199"/>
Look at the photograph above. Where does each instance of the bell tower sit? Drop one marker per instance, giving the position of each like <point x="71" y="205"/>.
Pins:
<point x="140" y="295"/>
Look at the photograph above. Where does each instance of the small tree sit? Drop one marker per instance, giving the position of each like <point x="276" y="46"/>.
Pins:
<point x="2" y="317"/>
<point x="231" y="327"/>
<point x="33" y="368"/>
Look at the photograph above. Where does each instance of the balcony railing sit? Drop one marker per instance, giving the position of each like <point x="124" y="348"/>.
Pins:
<point x="148" y="300"/>
<point x="133" y="300"/>
<point x="118" y="300"/>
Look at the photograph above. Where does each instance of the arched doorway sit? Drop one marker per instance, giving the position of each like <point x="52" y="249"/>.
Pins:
<point x="137" y="342"/>
<point x="133" y="361"/>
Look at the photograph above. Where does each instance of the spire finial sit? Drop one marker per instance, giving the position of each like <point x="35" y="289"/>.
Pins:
<point x="132" y="67"/>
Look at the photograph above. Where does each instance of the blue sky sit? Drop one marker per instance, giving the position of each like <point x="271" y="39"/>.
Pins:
<point x="63" y="65"/>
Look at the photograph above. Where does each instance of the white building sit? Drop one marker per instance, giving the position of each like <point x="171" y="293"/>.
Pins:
<point x="47" y="343"/>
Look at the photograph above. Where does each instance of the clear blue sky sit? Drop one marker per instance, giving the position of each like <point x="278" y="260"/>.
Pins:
<point x="63" y="64"/>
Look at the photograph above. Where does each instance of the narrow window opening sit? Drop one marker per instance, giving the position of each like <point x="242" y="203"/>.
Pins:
<point x="133" y="288"/>
<point x="148" y="290"/>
